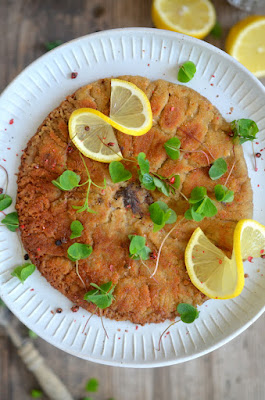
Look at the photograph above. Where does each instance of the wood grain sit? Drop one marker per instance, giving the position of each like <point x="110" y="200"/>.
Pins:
<point x="236" y="371"/>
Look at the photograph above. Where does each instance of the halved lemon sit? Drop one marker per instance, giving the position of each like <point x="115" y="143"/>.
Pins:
<point x="246" y="43"/>
<point x="213" y="273"/>
<point x="191" y="17"/>
<point x="130" y="109"/>
<point x="93" y="136"/>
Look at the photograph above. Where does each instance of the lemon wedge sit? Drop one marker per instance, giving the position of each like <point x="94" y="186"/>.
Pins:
<point x="214" y="274"/>
<point x="246" y="43"/>
<point x="93" y="136"/>
<point x="191" y="17"/>
<point x="130" y="109"/>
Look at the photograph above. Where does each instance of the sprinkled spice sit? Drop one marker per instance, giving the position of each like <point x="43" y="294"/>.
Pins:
<point x="231" y="134"/>
<point x="250" y="259"/>
<point x="246" y="275"/>
<point x="262" y="256"/>
<point x="172" y="180"/>
<point x="74" y="75"/>
<point x="261" y="251"/>
<point x="58" y="242"/>
<point x="1" y="190"/>
<point x="11" y="121"/>
<point x="75" y="308"/>
<point x="59" y="310"/>
<point x="153" y="255"/>
<point x="69" y="149"/>
<point x="87" y="128"/>
<point x="26" y="257"/>
<point x="258" y="155"/>
<point x="111" y="144"/>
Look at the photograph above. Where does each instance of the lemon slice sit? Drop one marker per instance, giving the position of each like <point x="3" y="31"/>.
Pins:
<point x="246" y="43"/>
<point x="93" y="136"/>
<point x="192" y="17"/>
<point x="130" y="109"/>
<point x="213" y="273"/>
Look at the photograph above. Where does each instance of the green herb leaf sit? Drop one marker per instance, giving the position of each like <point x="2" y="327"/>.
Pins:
<point x="187" y="313"/>
<point x="32" y="334"/>
<point x="162" y="186"/>
<point x="148" y="181"/>
<point x="76" y="228"/>
<point x="79" y="251"/>
<point x="143" y="163"/>
<point x="2" y="304"/>
<point x="92" y="385"/>
<point x="186" y="72"/>
<point x="217" y="31"/>
<point x="11" y="221"/>
<point x="137" y="248"/>
<point x="101" y="296"/>
<point x="161" y="214"/>
<point x="51" y="45"/>
<point x="67" y="181"/>
<point x="24" y="271"/>
<point x="244" y="130"/>
<point x="5" y="201"/>
<point x="218" y="169"/>
<point x="118" y="173"/>
<point x="87" y="398"/>
<point x="197" y="194"/>
<point x="36" y="393"/>
<point x="202" y="206"/>
<point x="223" y="194"/>
<point x="172" y="148"/>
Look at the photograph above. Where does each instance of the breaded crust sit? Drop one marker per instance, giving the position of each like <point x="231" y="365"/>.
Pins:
<point x="45" y="212"/>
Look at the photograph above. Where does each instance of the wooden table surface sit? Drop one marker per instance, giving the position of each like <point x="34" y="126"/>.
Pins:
<point x="235" y="371"/>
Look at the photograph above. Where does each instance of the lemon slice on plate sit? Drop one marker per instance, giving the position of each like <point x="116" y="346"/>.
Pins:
<point x="191" y="17"/>
<point x="130" y="109"/>
<point x="93" y="136"/>
<point x="213" y="273"/>
<point x="246" y="43"/>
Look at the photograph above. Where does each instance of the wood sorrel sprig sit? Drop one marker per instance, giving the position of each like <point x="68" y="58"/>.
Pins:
<point x="76" y="229"/>
<point x="218" y="169"/>
<point x="172" y="148"/>
<point x="11" y="221"/>
<point x="223" y="194"/>
<point x="101" y="296"/>
<point x="186" y="72"/>
<point x="23" y="271"/>
<point x="201" y="205"/>
<point x="244" y="130"/>
<point x="161" y="214"/>
<point x="138" y="250"/>
<point x="69" y="180"/>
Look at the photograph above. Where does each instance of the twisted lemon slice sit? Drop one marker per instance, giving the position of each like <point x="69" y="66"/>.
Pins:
<point x="211" y="271"/>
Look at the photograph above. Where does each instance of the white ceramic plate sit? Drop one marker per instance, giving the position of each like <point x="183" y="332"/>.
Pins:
<point x="40" y="88"/>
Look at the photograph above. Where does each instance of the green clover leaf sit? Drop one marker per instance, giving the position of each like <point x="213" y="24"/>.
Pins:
<point x="5" y="201"/>
<point x="118" y="172"/>
<point x="23" y="271"/>
<point x="186" y="72"/>
<point x="244" y="130"/>
<point x="223" y="194"/>
<point x="79" y="251"/>
<point x="218" y="169"/>
<point x="172" y="148"/>
<point x="77" y="229"/>
<point x="187" y="313"/>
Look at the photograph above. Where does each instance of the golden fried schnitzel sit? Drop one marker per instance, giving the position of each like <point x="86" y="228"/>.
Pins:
<point x="46" y="213"/>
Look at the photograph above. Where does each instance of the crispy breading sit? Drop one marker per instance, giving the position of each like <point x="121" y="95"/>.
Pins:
<point x="45" y="212"/>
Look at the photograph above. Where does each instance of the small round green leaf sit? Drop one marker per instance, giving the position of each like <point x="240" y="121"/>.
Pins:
<point x="118" y="173"/>
<point x="79" y="251"/>
<point x="186" y="72"/>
